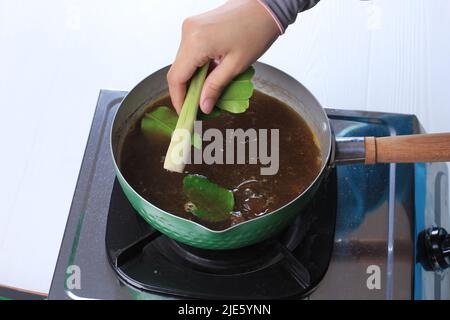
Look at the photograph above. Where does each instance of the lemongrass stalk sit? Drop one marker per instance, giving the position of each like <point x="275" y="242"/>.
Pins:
<point x="179" y="148"/>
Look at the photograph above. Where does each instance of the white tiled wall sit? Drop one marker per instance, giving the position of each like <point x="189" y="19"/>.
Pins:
<point x="388" y="55"/>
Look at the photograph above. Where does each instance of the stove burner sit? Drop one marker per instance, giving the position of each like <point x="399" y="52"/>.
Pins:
<point x="238" y="261"/>
<point x="286" y="266"/>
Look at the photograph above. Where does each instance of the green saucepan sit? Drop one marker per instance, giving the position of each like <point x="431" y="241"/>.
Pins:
<point x="267" y="80"/>
<point x="278" y="84"/>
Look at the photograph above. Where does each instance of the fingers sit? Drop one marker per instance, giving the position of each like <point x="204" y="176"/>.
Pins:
<point x="179" y="74"/>
<point x="216" y="81"/>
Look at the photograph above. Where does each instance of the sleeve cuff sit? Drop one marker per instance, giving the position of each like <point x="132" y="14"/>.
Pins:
<point x="274" y="17"/>
<point x="284" y="12"/>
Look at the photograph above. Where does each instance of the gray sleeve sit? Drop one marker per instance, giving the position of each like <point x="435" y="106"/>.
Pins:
<point x="285" y="11"/>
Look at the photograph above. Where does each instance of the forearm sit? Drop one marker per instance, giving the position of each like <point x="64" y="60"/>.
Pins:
<point x="285" y="11"/>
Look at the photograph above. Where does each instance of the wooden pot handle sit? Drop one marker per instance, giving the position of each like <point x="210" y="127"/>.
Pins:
<point x="409" y="148"/>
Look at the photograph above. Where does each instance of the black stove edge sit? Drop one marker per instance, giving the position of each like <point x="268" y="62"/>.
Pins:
<point x="12" y="293"/>
<point x="86" y="169"/>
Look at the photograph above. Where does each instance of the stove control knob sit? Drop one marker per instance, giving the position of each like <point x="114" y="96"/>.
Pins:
<point x="434" y="250"/>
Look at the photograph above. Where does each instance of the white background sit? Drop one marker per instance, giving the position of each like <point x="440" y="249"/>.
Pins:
<point x="55" y="56"/>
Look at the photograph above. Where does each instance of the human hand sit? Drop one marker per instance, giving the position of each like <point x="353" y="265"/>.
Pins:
<point x="234" y="35"/>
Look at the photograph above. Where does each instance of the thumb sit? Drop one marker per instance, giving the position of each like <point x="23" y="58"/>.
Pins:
<point x="215" y="82"/>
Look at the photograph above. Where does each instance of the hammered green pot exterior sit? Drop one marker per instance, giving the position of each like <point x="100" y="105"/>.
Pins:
<point x="268" y="80"/>
<point x="196" y="235"/>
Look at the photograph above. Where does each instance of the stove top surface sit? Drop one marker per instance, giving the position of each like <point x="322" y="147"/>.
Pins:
<point x="358" y="244"/>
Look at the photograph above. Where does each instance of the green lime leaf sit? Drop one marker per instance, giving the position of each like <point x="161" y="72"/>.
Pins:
<point x="246" y="75"/>
<point x="162" y="121"/>
<point x="238" y="90"/>
<point x="197" y="141"/>
<point x="235" y="96"/>
<point x="233" y="106"/>
<point x="207" y="200"/>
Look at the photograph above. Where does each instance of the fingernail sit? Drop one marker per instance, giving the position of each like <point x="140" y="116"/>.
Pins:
<point x="207" y="105"/>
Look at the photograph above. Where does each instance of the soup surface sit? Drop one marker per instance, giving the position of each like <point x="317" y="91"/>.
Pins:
<point x="142" y="161"/>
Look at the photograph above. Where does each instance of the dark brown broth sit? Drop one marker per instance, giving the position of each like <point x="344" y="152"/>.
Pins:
<point x="299" y="163"/>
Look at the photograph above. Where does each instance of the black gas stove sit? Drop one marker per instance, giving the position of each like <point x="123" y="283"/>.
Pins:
<point x="367" y="234"/>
